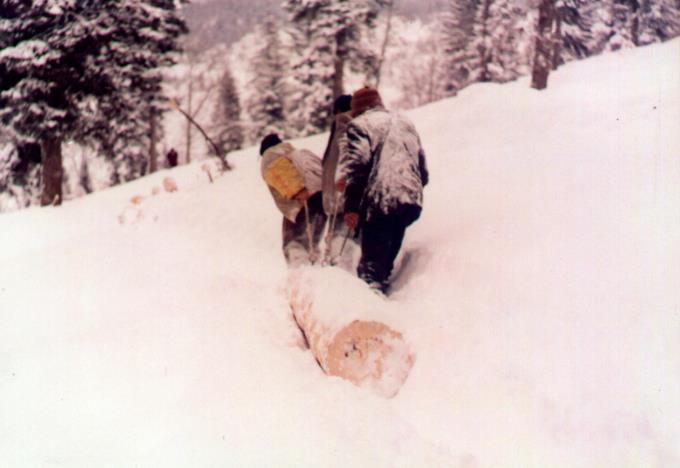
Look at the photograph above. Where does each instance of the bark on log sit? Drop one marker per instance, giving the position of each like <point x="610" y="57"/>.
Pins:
<point x="345" y="329"/>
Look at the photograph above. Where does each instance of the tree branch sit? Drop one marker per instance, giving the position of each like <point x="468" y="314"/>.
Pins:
<point x="218" y="151"/>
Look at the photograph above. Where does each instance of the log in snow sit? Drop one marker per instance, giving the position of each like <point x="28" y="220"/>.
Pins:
<point x="346" y="328"/>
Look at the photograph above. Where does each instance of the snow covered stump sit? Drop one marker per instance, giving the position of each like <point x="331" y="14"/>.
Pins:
<point x="345" y="331"/>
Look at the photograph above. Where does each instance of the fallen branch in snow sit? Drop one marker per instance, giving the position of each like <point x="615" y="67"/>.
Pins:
<point x="343" y="335"/>
<point x="206" y="169"/>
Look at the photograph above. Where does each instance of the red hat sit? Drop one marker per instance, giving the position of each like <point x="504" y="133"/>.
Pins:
<point x="364" y="99"/>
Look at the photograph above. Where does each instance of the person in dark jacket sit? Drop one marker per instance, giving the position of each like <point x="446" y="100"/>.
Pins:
<point x="383" y="171"/>
<point x="172" y="157"/>
<point x="340" y="244"/>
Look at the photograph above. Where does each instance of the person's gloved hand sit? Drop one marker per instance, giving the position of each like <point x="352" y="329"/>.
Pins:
<point x="352" y="220"/>
<point x="302" y="196"/>
<point x="340" y="185"/>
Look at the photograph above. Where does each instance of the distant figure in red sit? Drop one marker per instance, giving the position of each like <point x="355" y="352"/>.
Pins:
<point x="172" y="157"/>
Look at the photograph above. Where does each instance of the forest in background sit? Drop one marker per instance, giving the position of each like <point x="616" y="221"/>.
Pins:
<point x="95" y="94"/>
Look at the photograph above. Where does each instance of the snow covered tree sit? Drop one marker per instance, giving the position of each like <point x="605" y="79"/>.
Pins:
<point x="632" y="23"/>
<point x="484" y="40"/>
<point x="622" y="21"/>
<point x="266" y="106"/>
<point x="312" y="93"/>
<point x="227" y="115"/>
<point x="508" y="34"/>
<point x="659" y="20"/>
<point x="314" y="69"/>
<point x="421" y="81"/>
<point x="456" y="36"/>
<point x="389" y="5"/>
<point x="574" y="29"/>
<point x="83" y="71"/>
<point x="328" y="36"/>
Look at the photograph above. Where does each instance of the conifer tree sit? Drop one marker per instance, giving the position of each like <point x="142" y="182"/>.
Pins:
<point x="227" y="115"/>
<point x="266" y="106"/>
<point x="316" y="71"/>
<point x="328" y="37"/>
<point x="632" y="23"/>
<point x="457" y="35"/>
<point x="484" y="40"/>
<point x="507" y="37"/>
<point x="574" y="28"/>
<point x="659" y="20"/>
<point x="84" y="71"/>
<point x="623" y="23"/>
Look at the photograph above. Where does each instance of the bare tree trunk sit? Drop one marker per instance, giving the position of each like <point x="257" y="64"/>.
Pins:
<point x="484" y="53"/>
<point x="431" y="80"/>
<point x="386" y="40"/>
<point x="635" y="24"/>
<point x="544" y="45"/>
<point x="557" y="44"/>
<point x="153" y="154"/>
<point x="84" y="176"/>
<point x="52" y="172"/>
<point x="188" y="129"/>
<point x="216" y="148"/>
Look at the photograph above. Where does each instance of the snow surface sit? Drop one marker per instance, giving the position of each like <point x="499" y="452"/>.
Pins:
<point x="539" y="291"/>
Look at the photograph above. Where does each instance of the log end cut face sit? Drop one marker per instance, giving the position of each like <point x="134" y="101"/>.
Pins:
<point x="370" y="354"/>
<point x="357" y="346"/>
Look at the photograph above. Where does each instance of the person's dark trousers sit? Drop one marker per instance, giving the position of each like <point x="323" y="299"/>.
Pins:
<point x="295" y="240"/>
<point x="381" y="238"/>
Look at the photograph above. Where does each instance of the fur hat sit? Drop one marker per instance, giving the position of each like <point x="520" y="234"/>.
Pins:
<point x="267" y="142"/>
<point x="364" y="99"/>
<point x="342" y="104"/>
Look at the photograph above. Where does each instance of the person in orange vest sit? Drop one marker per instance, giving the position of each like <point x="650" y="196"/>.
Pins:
<point x="293" y="177"/>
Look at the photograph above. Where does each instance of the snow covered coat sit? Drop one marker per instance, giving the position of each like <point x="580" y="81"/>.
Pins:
<point x="383" y="164"/>
<point x="287" y="171"/>
<point x="330" y="161"/>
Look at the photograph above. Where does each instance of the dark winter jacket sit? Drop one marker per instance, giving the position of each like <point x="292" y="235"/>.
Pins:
<point x="330" y="161"/>
<point x="383" y="163"/>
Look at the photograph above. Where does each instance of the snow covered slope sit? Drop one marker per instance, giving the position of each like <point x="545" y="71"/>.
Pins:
<point x="539" y="291"/>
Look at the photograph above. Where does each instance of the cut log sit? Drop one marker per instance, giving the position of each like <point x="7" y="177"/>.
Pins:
<point x="347" y="330"/>
<point x="169" y="184"/>
<point x="136" y="200"/>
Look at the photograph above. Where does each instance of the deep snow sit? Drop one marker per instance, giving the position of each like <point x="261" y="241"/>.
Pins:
<point x="539" y="291"/>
